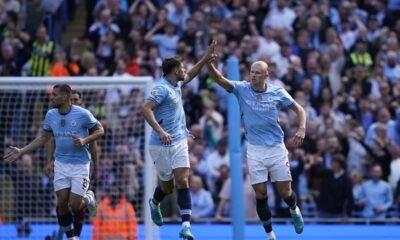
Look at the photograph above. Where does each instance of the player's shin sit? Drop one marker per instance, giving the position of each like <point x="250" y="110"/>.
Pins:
<point x="65" y="222"/>
<point x="185" y="204"/>
<point x="291" y="201"/>
<point x="264" y="213"/>
<point x="79" y="218"/>
<point x="158" y="196"/>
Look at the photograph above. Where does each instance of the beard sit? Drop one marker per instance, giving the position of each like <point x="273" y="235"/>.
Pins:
<point x="55" y="105"/>
<point x="181" y="77"/>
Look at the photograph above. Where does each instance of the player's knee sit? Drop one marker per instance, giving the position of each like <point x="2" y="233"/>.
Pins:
<point x="167" y="189"/>
<point x="182" y="183"/>
<point x="75" y="206"/>
<point x="285" y="193"/>
<point x="260" y="194"/>
<point x="62" y="203"/>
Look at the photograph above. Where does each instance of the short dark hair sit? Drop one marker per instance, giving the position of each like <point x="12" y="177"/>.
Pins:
<point x="64" y="88"/>
<point x="170" y="63"/>
<point x="74" y="91"/>
<point x="340" y="159"/>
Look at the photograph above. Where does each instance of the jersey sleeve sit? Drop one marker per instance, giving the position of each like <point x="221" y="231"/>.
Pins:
<point x="237" y="86"/>
<point x="285" y="99"/>
<point x="157" y="94"/>
<point x="46" y="123"/>
<point x="90" y="120"/>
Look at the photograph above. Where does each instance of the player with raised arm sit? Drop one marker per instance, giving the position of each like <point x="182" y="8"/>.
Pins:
<point x="79" y="217"/>
<point x="73" y="128"/>
<point x="168" y="147"/>
<point x="267" y="155"/>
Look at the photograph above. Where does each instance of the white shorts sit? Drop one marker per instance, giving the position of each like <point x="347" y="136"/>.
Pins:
<point x="264" y="161"/>
<point x="74" y="176"/>
<point x="168" y="158"/>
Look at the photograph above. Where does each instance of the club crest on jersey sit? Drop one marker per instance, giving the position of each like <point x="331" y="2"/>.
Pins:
<point x="62" y="122"/>
<point x="259" y="98"/>
<point x="73" y="123"/>
<point x="270" y="98"/>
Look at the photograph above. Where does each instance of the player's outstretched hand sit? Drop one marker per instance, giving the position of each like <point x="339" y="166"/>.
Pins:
<point x="12" y="154"/>
<point x="49" y="169"/>
<point x="210" y="54"/>
<point x="299" y="137"/>
<point x="79" y="142"/>
<point x="166" y="138"/>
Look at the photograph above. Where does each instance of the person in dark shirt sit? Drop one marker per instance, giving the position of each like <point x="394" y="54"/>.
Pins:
<point x="335" y="196"/>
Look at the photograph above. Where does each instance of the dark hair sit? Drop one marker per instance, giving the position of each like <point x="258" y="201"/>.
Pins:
<point x="74" y="91"/>
<point x="170" y="63"/>
<point x="339" y="158"/>
<point x="64" y="88"/>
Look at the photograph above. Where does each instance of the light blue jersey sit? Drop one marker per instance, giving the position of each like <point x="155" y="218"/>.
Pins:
<point x="169" y="112"/>
<point x="77" y="122"/>
<point x="259" y="112"/>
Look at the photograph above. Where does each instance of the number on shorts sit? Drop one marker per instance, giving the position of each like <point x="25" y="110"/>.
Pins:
<point x="85" y="184"/>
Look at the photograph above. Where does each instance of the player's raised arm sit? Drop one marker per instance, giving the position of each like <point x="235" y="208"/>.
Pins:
<point x="209" y="56"/>
<point x="219" y="78"/>
<point x="301" y="114"/>
<point x="15" y="152"/>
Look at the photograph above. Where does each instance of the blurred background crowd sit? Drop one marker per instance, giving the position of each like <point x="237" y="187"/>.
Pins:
<point x="339" y="59"/>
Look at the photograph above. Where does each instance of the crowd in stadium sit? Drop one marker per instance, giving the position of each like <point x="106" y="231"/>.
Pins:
<point x="340" y="59"/>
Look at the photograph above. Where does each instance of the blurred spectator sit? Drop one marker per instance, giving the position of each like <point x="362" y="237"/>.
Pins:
<point x="212" y="123"/>
<point x="167" y="42"/>
<point x="28" y="202"/>
<point x="34" y="14"/>
<point x="202" y="202"/>
<point x="42" y="54"/>
<point x="383" y="117"/>
<point x="376" y="196"/>
<point x="217" y="158"/>
<point x="357" y="156"/>
<point x="62" y="68"/>
<point x="224" y="207"/>
<point x="392" y="67"/>
<point x="102" y="27"/>
<point x="116" y="218"/>
<point x="9" y="66"/>
<point x="280" y="18"/>
<point x="357" y="182"/>
<point x="335" y="196"/>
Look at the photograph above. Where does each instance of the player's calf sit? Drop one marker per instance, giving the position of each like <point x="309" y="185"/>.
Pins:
<point x="90" y="203"/>
<point x="65" y="222"/>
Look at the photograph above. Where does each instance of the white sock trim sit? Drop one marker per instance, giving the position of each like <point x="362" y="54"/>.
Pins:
<point x="186" y="224"/>
<point x="271" y="235"/>
<point x="296" y="210"/>
<point x="152" y="205"/>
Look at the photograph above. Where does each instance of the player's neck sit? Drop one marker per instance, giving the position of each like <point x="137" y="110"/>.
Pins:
<point x="65" y="109"/>
<point x="261" y="87"/>
<point x="174" y="81"/>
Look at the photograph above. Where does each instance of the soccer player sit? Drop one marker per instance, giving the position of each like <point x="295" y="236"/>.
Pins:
<point x="267" y="155"/>
<point x="73" y="129"/>
<point x="168" y="147"/>
<point x="79" y="217"/>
